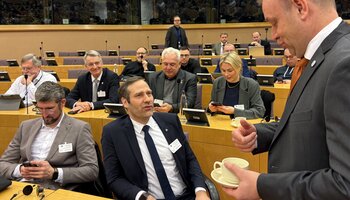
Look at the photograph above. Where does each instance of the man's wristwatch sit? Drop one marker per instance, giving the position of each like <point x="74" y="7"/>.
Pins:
<point x="144" y="196"/>
<point x="55" y="174"/>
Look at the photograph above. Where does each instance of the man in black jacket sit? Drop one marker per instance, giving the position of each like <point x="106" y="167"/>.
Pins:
<point x="176" y="36"/>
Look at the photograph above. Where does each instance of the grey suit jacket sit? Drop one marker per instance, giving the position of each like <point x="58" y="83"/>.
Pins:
<point x="185" y="81"/>
<point x="249" y="96"/>
<point x="217" y="48"/>
<point x="79" y="165"/>
<point x="309" y="150"/>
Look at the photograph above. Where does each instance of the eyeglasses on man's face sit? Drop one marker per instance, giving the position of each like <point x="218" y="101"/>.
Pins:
<point x="91" y="64"/>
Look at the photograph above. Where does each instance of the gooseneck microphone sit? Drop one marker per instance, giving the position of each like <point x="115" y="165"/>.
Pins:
<point x="41" y="48"/>
<point x="106" y="47"/>
<point x="148" y="42"/>
<point x="266" y="29"/>
<point x="119" y="61"/>
<point x="26" y="96"/>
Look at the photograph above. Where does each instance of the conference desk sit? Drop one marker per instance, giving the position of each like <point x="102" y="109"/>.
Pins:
<point x="281" y="92"/>
<point x="60" y="194"/>
<point x="209" y="144"/>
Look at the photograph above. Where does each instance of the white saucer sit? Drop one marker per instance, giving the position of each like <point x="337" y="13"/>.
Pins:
<point x="217" y="176"/>
<point x="234" y="124"/>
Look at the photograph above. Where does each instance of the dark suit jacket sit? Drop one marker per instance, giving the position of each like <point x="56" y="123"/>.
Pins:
<point x="125" y="169"/>
<point x="171" y="39"/>
<point x="192" y="66"/>
<point x="135" y="68"/>
<point x="309" y="149"/>
<point x="187" y="82"/>
<point x="83" y="89"/>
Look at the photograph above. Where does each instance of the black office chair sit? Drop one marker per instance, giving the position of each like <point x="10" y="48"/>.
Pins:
<point x="268" y="99"/>
<point x="98" y="187"/>
<point x="213" y="192"/>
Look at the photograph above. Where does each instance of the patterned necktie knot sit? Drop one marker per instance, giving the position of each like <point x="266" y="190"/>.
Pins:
<point x="298" y="70"/>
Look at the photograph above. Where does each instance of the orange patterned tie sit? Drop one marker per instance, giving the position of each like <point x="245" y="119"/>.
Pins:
<point x="298" y="70"/>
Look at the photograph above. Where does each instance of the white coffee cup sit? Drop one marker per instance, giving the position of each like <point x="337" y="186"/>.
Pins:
<point x="236" y="122"/>
<point x="227" y="175"/>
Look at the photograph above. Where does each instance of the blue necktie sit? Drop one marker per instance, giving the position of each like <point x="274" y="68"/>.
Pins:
<point x="158" y="166"/>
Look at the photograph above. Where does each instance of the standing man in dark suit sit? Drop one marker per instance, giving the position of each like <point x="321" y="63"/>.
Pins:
<point x="150" y="157"/>
<point x="258" y="42"/>
<point x="309" y="148"/>
<point x="168" y="84"/>
<point x="97" y="86"/>
<point x="176" y="35"/>
<point x="218" y="48"/>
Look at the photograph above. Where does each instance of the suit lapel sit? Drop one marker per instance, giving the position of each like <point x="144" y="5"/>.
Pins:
<point x="130" y="134"/>
<point x="178" y="87"/>
<point x="63" y="130"/>
<point x="88" y="87"/>
<point x="243" y="93"/>
<point x="312" y="66"/>
<point x="221" y="90"/>
<point x="101" y="85"/>
<point x="32" y="134"/>
<point x="160" y="85"/>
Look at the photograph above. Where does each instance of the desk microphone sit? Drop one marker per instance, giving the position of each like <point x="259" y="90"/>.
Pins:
<point x="148" y="42"/>
<point x="141" y="57"/>
<point x="106" y="47"/>
<point x="266" y="29"/>
<point x="202" y="41"/>
<point x="41" y="48"/>
<point x="179" y="81"/>
<point x="199" y="51"/>
<point x="26" y="96"/>
<point x="119" y="55"/>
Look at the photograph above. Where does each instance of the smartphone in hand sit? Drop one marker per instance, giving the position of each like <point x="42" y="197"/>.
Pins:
<point x="72" y="112"/>
<point x="28" y="164"/>
<point x="216" y="104"/>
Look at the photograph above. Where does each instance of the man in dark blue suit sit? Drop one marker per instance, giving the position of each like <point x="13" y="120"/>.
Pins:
<point x="131" y="168"/>
<point x="97" y="86"/>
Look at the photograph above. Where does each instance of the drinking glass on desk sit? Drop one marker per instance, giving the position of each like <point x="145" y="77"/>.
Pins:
<point x="35" y="108"/>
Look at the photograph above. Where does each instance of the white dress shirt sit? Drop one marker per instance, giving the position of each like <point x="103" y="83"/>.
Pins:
<point x="315" y="43"/>
<point x="18" y="88"/>
<point x="166" y="157"/>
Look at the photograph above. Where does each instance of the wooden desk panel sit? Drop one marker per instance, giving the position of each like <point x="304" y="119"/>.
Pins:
<point x="265" y="69"/>
<point x="17" y="187"/>
<point x="67" y="194"/>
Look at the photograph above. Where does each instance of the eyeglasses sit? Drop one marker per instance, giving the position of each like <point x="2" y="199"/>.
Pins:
<point x="140" y="53"/>
<point x="93" y="64"/>
<point x="184" y="55"/>
<point x="27" y="68"/>
<point x="268" y="118"/>
<point x="169" y="64"/>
